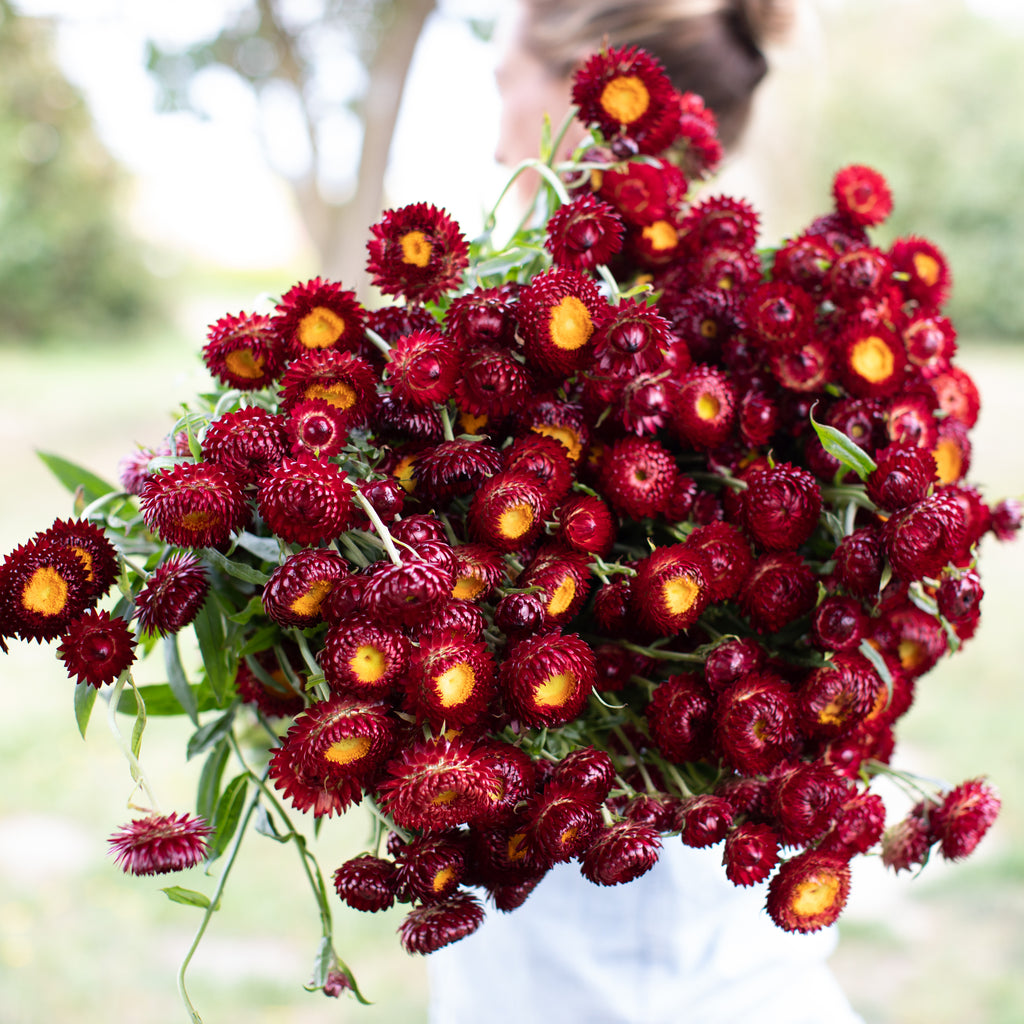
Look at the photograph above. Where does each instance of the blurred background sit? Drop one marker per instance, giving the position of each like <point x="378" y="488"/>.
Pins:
<point x="164" y="164"/>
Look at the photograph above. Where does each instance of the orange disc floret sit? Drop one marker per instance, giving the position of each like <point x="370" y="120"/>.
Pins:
<point x="318" y="315"/>
<point x="362" y="657"/>
<point x="311" y="790"/>
<point x="244" y="352"/>
<point x="194" y="505"/>
<point x="547" y="678"/>
<point x="97" y="648"/>
<point x="625" y="92"/>
<point x="862" y="195"/>
<point x="872" y="361"/>
<point x="479" y="568"/>
<point x="450" y="680"/>
<point x="435" y="784"/>
<point x="346" y="381"/>
<point x="838" y="696"/>
<point x="508" y="510"/>
<point x="809" y="891"/>
<point x="563" y="580"/>
<point x="306" y="500"/>
<point x="298" y="587"/>
<point x="173" y="595"/>
<point x="558" y="313"/>
<point x="430" y="867"/>
<point x="638" y="476"/>
<point x="418" y="252"/>
<point x="670" y="590"/>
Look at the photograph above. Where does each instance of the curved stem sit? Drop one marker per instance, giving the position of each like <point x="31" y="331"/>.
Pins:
<point x="378" y="525"/>
<point x="133" y="762"/>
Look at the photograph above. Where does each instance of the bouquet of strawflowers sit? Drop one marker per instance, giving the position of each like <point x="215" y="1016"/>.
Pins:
<point x="626" y="532"/>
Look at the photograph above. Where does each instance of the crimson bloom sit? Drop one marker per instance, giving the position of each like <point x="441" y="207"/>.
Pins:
<point x="96" y="648"/>
<point x="318" y="315"/>
<point x="160" y="843"/>
<point x="194" y="505"/>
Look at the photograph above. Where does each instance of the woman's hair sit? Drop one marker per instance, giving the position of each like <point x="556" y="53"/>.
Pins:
<point x="710" y="47"/>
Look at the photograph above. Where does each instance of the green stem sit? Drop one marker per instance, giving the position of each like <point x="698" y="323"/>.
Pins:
<point x="215" y="903"/>
<point x="378" y="525"/>
<point x="138" y="775"/>
<point x="662" y="655"/>
<point x="637" y="759"/>
<point x="446" y="423"/>
<point x="377" y="341"/>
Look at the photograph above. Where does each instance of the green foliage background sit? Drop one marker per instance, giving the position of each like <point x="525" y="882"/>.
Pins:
<point x="67" y="264"/>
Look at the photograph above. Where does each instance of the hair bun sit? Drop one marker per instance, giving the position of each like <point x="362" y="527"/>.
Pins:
<point x="768" y="21"/>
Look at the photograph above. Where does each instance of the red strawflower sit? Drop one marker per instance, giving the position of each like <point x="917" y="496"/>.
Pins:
<point x="859" y="560"/>
<point x="587" y="772"/>
<point x="483" y="316"/>
<point x="422" y="369"/>
<point x="516" y="775"/>
<point x="957" y="395"/>
<point x="561" y="825"/>
<point x="912" y="636"/>
<point x="872" y="361"/>
<point x="671" y="590"/>
<point x="547" y="678"/>
<point x="160" y="843"/>
<point x="434" y="785"/>
<point x="911" y="418"/>
<point x="585" y="524"/>
<point x="564" y="421"/>
<point x="750" y="854"/>
<point x="262" y="680"/>
<point x="392" y="323"/>
<point x="583" y="233"/>
<point x="643" y="193"/>
<point x="805" y="261"/>
<point x="453" y="469"/>
<point x="657" y="244"/>
<point x="407" y="594"/>
<point x="621" y="852"/>
<point x="805" y="800"/>
<point x="346" y="381"/>
<point x="316" y="428"/>
<point x="479" y="568"/>
<point x="930" y="341"/>
<point x="756" y="722"/>
<point x="780" y="588"/>
<point x="952" y="453"/>
<point x="902" y="476"/>
<point x="781" y="506"/>
<point x="298" y="587"/>
<point x="858" y="827"/>
<point x="431" y="867"/>
<point x="924" y="271"/>
<point x="839" y="695"/>
<point x="809" y="891"/>
<point x="96" y="648"/>
<point x="625" y="92"/>
<point x="860" y="283"/>
<point x="559" y="311"/>
<point x="90" y="545"/>
<point x="492" y="383"/>
<point x="1006" y="519"/>
<point x="418" y="252"/>
<point x="306" y="500"/>
<point x="697" y="147"/>
<point x="838" y="623"/>
<point x="173" y="595"/>
<point x="194" y="505"/>
<point x="704" y="820"/>
<point x="361" y="657"/>
<point x="908" y="842"/>
<point x="966" y="813"/>
<point x="637" y="477"/>
<point x="248" y="442"/>
<point x="367" y="883"/>
<point x="450" y="680"/>
<point x="311" y="789"/>
<point x="705" y="406"/>
<point x="807" y="369"/>
<point x="433" y="925"/>
<point x="544" y="458"/>
<point x="862" y="195"/>
<point x="921" y="538"/>
<point x="507" y="512"/>
<point x="679" y="718"/>
<point x="243" y="352"/>
<point x="43" y="588"/>
<point x="780" y="314"/>
<point x="959" y="595"/>
<point x="318" y="315"/>
<point x="730" y="660"/>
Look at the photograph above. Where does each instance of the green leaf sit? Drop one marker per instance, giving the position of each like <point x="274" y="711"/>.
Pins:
<point x="85" y="697"/>
<point x="207" y="735"/>
<point x="266" y="827"/>
<point x="209" y="780"/>
<point x="73" y="476"/>
<point x="840" y="447"/>
<point x="325" y="960"/>
<point x="262" y="640"/>
<point x="878" y="662"/>
<point x="162" y="702"/>
<point x="252" y="609"/>
<point x="266" y="549"/>
<point x="209" y="629"/>
<point x="191" y="898"/>
<point x="237" y="569"/>
<point x="227" y="814"/>
<point x="178" y="681"/>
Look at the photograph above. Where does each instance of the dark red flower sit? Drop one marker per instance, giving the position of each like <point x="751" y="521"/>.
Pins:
<point x="306" y="500"/>
<point x="450" y="680"/>
<point x="561" y="824"/>
<point x="318" y="315"/>
<point x="924" y="270"/>
<point x="838" y="623"/>
<point x="750" y="854"/>
<point x="546" y="679"/>
<point x="173" y="595"/>
<point x="248" y="442"/>
<point x="194" y="505"/>
<point x="839" y="695"/>
<point x="872" y="361"/>
<point x="704" y="820"/>
<point x="756" y="722"/>
<point x="507" y="512"/>
<point x="364" y="658"/>
<point x="346" y="381"/>
<point x="908" y="842"/>
<point x="422" y="369"/>
<point x="431" y="926"/>
<point x="453" y="469"/>
<point x="43" y="588"/>
<point x="781" y="506"/>
<point x="298" y="587"/>
<point x="160" y="843"/>
<point x="805" y="800"/>
<point x="621" y="852"/>
<point x="316" y="428"/>
<point x="809" y="891"/>
<point x="966" y="813"/>
<point x="96" y="648"/>
<point x="585" y="524"/>
<point x="862" y="195"/>
<point x="921" y="538"/>
<point x="671" y="589"/>
<point x="417" y="251"/>
<point x="367" y="883"/>
<point x="637" y="477"/>
<point x="705" y="406"/>
<point x="679" y="717"/>
<point x="780" y="588"/>
<point x="492" y="383"/>
<point x="243" y="352"/>
<point x="902" y="476"/>
<point x="583" y="233"/>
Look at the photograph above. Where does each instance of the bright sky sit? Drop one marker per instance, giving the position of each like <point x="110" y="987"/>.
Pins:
<point x="204" y="185"/>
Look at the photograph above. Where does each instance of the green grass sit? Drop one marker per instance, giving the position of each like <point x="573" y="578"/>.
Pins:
<point x="79" y="941"/>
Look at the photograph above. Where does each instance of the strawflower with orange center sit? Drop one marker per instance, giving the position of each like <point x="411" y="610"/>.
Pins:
<point x="319" y="315"/>
<point x="547" y="678"/>
<point x="809" y="891"/>
<point x="43" y="588"/>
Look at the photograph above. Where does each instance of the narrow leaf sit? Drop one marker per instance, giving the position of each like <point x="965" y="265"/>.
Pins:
<point x="191" y="898"/>
<point x="252" y="609"/>
<point x="209" y="780"/>
<point x="178" y="681"/>
<point x="207" y="735"/>
<point x="161" y="701"/>
<point x="209" y="629"/>
<point x="840" y="447"/>
<point x="236" y="569"/>
<point x="267" y="549"/>
<point x="227" y="814"/>
<point x="85" y="697"/>
<point x="73" y="476"/>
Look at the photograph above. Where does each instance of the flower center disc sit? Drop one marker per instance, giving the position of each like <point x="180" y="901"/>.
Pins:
<point x="198" y="521"/>
<point x="320" y="328"/>
<point x="555" y="690"/>
<point x="679" y="594"/>
<point x="468" y="588"/>
<point x="708" y="407"/>
<point x="242" y="363"/>
<point x="515" y="521"/>
<point x="815" y="896"/>
<point x="926" y="267"/>
<point x="873" y="359"/>
<point x="309" y="602"/>
<point x="563" y="596"/>
<point x="338" y="394"/>
<point x="455" y="686"/>
<point x="661" y="235"/>
<point x="442" y="879"/>
<point x="570" y="323"/>
<point x="949" y="462"/>
<point x="368" y="664"/>
<point x="416" y="248"/>
<point x="46" y="592"/>
<point x="568" y="438"/>
<point x="348" y="750"/>
<point x="625" y="98"/>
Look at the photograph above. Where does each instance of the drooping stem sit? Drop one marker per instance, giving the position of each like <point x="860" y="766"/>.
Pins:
<point x="138" y="775"/>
